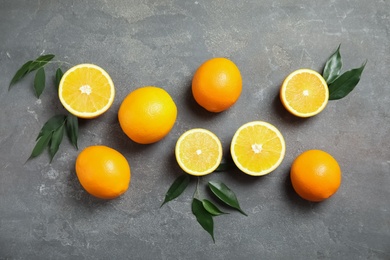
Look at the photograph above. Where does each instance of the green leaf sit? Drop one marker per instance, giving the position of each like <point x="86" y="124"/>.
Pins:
<point x="20" y="73"/>
<point x="39" y="82"/>
<point x="51" y="133"/>
<point x="59" y="75"/>
<point x="345" y="83"/>
<point x="225" y="195"/>
<point x="40" y="62"/>
<point x="204" y="218"/>
<point x="211" y="208"/>
<point x="45" y="58"/>
<point x="30" y="66"/>
<point x="42" y="143"/>
<point x="72" y="129"/>
<point x="332" y="67"/>
<point x="51" y="125"/>
<point x="177" y="188"/>
<point x="56" y="141"/>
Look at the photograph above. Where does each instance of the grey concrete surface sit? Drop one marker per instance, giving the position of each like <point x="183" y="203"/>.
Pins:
<point x="45" y="213"/>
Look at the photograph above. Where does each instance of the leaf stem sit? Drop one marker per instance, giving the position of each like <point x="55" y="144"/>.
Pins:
<point x="60" y="62"/>
<point x="197" y="193"/>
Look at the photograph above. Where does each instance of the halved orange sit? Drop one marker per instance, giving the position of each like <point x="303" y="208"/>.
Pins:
<point x="304" y="93"/>
<point x="198" y="151"/>
<point x="86" y="91"/>
<point x="257" y="148"/>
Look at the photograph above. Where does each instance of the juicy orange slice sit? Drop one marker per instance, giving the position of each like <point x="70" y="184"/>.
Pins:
<point x="257" y="148"/>
<point x="198" y="151"/>
<point x="304" y="93"/>
<point x="86" y="91"/>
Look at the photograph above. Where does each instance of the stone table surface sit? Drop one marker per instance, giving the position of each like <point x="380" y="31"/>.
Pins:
<point x="46" y="214"/>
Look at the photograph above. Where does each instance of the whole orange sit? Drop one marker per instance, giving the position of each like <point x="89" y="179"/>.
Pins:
<point x="147" y="114"/>
<point x="217" y="84"/>
<point x="315" y="175"/>
<point x="103" y="172"/>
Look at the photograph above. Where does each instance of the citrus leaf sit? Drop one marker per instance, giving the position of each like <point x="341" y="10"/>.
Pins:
<point x="40" y="62"/>
<point x="45" y="58"/>
<point x="30" y="66"/>
<point x="211" y="208"/>
<point x="72" y="129"/>
<point x="226" y="195"/>
<point x="345" y="83"/>
<point x="41" y="144"/>
<point x="56" y="141"/>
<point x="204" y="218"/>
<point x="20" y="73"/>
<point x="59" y="75"/>
<point x="39" y="82"/>
<point x="177" y="188"/>
<point x="51" y="125"/>
<point x="332" y="67"/>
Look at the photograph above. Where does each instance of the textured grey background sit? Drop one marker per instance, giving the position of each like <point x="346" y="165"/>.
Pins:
<point x="45" y="213"/>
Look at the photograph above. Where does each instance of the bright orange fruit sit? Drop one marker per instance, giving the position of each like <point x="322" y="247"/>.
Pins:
<point x="103" y="172"/>
<point x="147" y="114"/>
<point x="217" y="84"/>
<point x="315" y="175"/>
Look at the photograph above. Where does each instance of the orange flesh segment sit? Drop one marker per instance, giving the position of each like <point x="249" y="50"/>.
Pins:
<point x="199" y="153"/>
<point x="305" y="93"/>
<point x="86" y="90"/>
<point x="257" y="148"/>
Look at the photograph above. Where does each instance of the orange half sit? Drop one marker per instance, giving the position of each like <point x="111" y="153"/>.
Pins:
<point x="304" y="93"/>
<point x="257" y="148"/>
<point x="86" y="91"/>
<point x="198" y="151"/>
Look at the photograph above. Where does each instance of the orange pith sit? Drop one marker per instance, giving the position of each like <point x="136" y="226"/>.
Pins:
<point x="257" y="148"/>
<point x="86" y="91"/>
<point x="198" y="151"/>
<point x="304" y="93"/>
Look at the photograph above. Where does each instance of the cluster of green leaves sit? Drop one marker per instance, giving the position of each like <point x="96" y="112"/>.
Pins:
<point x="40" y="76"/>
<point x="203" y="209"/>
<point x="340" y="85"/>
<point x="52" y="132"/>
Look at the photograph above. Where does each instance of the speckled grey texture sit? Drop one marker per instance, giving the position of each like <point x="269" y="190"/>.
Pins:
<point x="45" y="213"/>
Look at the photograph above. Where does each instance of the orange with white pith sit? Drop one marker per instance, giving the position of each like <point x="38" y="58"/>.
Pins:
<point x="304" y="93"/>
<point x="86" y="91"/>
<point x="257" y="148"/>
<point x="198" y="152"/>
